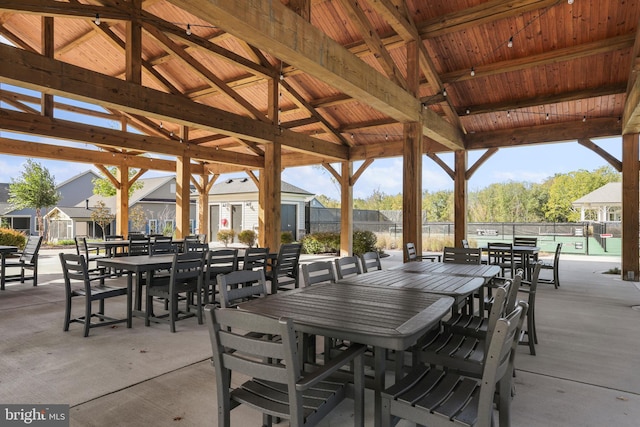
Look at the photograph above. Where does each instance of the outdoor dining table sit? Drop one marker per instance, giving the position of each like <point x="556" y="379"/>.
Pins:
<point x="458" y="287"/>
<point x="487" y="272"/>
<point x="138" y="265"/>
<point x="379" y="316"/>
<point x="4" y="251"/>
<point x="110" y="246"/>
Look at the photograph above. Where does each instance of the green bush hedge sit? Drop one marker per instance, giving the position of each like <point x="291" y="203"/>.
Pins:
<point x="364" y="241"/>
<point x="226" y="236"/>
<point x="286" y="237"/>
<point x="326" y="242"/>
<point x="11" y="237"/>
<point x="247" y="237"/>
<point x="320" y="243"/>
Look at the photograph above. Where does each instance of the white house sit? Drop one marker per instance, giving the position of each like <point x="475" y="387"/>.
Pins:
<point x="233" y="204"/>
<point x="602" y="205"/>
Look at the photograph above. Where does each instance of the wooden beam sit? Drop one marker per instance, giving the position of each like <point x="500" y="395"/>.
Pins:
<point x="275" y="29"/>
<point x="631" y="116"/>
<point x="617" y="164"/>
<point x="346" y="209"/>
<point x="460" y="198"/>
<point x="593" y="128"/>
<point x="445" y="167"/>
<point x="50" y="76"/>
<point x="103" y="137"/>
<point x="373" y="41"/>
<point x="485" y="156"/>
<point x="553" y="56"/>
<point x="55" y="152"/>
<point x="363" y="167"/>
<point x="630" y="207"/>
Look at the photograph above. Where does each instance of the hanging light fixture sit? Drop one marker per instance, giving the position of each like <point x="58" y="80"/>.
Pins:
<point x="510" y="42"/>
<point x="473" y="72"/>
<point x="97" y="20"/>
<point x="188" y="29"/>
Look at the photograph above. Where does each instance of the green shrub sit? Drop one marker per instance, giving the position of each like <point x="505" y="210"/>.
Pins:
<point x="364" y="241"/>
<point x="286" y="237"/>
<point x="247" y="237"/>
<point x="323" y="242"/>
<point x="226" y="236"/>
<point x="11" y="237"/>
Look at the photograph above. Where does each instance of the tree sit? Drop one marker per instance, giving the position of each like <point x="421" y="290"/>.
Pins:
<point x="34" y="189"/>
<point x="565" y="188"/>
<point x="105" y="188"/>
<point x="102" y="216"/>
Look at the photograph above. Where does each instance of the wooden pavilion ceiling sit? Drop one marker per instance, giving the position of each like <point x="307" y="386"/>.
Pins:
<point x="216" y="80"/>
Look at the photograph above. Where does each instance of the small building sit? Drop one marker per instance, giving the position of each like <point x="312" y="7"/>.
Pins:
<point x="72" y="192"/>
<point x="602" y="205"/>
<point x="233" y="204"/>
<point x="152" y="210"/>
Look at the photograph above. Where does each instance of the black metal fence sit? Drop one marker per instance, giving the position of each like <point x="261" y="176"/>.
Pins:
<point x="582" y="237"/>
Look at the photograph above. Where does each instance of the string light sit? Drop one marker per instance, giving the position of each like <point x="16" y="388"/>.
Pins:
<point x="468" y="111"/>
<point x="547" y="118"/>
<point x="444" y="92"/>
<point x="584" y="118"/>
<point x="97" y="20"/>
<point x="510" y="42"/>
<point x="473" y="72"/>
<point x="570" y="1"/>
<point x="508" y="114"/>
<point x="188" y="29"/>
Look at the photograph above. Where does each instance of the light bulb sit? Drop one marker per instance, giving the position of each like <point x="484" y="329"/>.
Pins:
<point x="584" y="118"/>
<point x="508" y="114"/>
<point x="97" y="20"/>
<point x="473" y="72"/>
<point x="444" y="92"/>
<point x="547" y="118"/>
<point x="570" y="1"/>
<point x="468" y="111"/>
<point x="188" y="29"/>
<point x="510" y="42"/>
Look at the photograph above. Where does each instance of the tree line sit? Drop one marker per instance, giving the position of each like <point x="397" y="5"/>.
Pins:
<point x="512" y="201"/>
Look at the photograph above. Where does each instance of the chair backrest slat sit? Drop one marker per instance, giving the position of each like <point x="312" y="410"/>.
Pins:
<point x="30" y="252"/>
<point x="237" y="286"/>
<point x="461" y="255"/>
<point x="370" y="261"/>
<point x="318" y="272"/>
<point x="347" y="266"/>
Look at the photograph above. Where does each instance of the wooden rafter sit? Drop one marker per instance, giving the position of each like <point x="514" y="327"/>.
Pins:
<point x="274" y="28"/>
<point x="51" y="76"/>
<point x="373" y="41"/>
<point x="617" y="164"/>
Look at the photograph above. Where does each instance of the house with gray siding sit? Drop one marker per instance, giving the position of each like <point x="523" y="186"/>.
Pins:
<point x="73" y="191"/>
<point x="233" y="204"/>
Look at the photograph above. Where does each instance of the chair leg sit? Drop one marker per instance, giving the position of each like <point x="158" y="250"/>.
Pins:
<point x="87" y="317"/>
<point x="531" y="335"/>
<point x="67" y="314"/>
<point x="174" y="311"/>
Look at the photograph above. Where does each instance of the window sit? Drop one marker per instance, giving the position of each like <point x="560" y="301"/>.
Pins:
<point x="192" y="226"/>
<point x="153" y="226"/>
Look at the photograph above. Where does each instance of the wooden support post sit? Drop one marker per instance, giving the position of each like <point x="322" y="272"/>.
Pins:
<point x="412" y="186"/>
<point x="46" y="103"/>
<point x="630" y="207"/>
<point x="460" y="198"/>
<point x="204" y="186"/>
<point x="270" y="198"/>
<point x="183" y="196"/>
<point x="122" y="201"/>
<point x="346" y="209"/>
<point x="412" y="156"/>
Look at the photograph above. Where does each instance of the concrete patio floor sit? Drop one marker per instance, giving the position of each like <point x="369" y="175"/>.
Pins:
<point x="585" y="372"/>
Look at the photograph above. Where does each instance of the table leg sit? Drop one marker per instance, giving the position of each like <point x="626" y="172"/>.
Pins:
<point x="379" y="368"/>
<point x="129" y="303"/>
<point x="2" y="279"/>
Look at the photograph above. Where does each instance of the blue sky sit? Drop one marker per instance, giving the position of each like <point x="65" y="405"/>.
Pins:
<point x="529" y="163"/>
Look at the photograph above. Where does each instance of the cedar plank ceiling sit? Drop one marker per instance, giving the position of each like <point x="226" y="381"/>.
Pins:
<point x="569" y="74"/>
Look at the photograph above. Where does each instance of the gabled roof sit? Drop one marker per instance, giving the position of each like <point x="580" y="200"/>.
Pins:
<point x="246" y="185"/>
<point x="149" y="185"/>
<point x="74" y="212"/>
<point x="608" y="194"/>
<point x="73" y="178"/>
